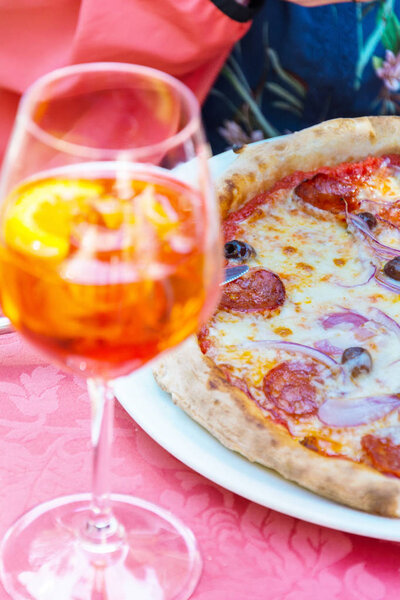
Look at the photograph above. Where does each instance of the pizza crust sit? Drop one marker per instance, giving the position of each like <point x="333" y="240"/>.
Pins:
<point x="330" y="143"/>
<point x="200" y="388"/>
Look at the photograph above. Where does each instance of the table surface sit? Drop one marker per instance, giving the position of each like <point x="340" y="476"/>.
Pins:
<point x="249" y="551"/>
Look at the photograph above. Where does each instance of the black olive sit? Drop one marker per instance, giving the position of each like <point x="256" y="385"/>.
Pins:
<point x="357" y="360"/>
<point x="392" y="268"/>
<point x="368" y="218"/>
<point x="237" y="148"/>
<point x="238" y="250"/>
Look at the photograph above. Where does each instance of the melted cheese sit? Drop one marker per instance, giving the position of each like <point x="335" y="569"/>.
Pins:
<point x="383" y="186"/>
<point x="315" y="256"/>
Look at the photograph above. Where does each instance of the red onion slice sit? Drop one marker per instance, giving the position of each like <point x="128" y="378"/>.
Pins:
<point x="317" y="355"/>
<point x="350" y="412"/>
<point x="339" y="318"/>
<point x="383" y="319"/>
<point x="327" y="348"/>
<point x="380" y="201"/>
<point x="363" y="333"/>
<point x="387" y="282"/>
<point x="381" y="249"/>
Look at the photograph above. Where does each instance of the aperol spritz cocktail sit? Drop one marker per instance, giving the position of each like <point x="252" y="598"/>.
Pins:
<point x="103" y="265"/>
<point x="109" y="255"/>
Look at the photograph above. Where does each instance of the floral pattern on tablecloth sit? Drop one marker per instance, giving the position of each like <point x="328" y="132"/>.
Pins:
<point x="249" y="551"/>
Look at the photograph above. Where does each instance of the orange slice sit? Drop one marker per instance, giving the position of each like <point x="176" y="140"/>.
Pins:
<point x="39" y="221"/>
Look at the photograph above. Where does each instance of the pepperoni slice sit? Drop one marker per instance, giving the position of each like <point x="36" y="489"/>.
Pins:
<point x="257" y="290"/>
<point x="383" y="453"/>
<point x="290" y="388"/>
<point x="327" y="193"/>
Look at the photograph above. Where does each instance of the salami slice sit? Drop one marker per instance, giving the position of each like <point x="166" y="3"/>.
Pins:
<point x="259" y="290"/>
<point x="383" y="453"/>
<point x="289" y="386"/>
<point x="327" y="193"/>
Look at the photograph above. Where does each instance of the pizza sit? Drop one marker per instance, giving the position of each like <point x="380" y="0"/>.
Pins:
<point x="299" y="367"/>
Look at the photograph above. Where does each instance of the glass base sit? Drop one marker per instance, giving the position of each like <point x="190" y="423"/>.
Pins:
<point x="46" y="554"/>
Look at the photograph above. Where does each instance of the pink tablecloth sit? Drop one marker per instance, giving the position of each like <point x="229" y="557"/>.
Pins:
<point x="249" y="551"/>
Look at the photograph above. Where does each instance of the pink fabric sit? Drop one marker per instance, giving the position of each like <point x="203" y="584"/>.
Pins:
<point x="249" y="551"/>
<point x="189" y="39"/>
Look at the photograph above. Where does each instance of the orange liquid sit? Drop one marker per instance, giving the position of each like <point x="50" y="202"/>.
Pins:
<point x="130" y="283"/>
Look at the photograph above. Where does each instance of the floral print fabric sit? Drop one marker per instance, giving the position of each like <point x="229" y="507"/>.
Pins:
<point x="299" y="66"/>
<point x="249" y="552"/>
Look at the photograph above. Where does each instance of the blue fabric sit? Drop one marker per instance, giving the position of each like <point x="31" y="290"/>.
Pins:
<point x="321" y="47"/>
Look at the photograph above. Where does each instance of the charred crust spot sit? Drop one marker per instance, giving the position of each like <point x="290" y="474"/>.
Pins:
<point x="230" y="185"/>
<point x="382" y="502"/>
<point x="310" y="442"/>
<point x="212" y="384"/>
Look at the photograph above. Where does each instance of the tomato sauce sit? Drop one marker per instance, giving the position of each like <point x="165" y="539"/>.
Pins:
<point x="347" y="173"/>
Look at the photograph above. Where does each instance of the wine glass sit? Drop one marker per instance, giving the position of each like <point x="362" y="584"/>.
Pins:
<point x="109" y="256"/>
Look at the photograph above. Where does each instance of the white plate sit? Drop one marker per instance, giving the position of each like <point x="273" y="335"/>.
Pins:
<point x="175" y="431"/>
<point x="153" y="410"/>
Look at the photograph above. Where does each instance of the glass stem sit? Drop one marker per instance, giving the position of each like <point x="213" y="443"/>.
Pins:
<point x="102" y="523"/>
